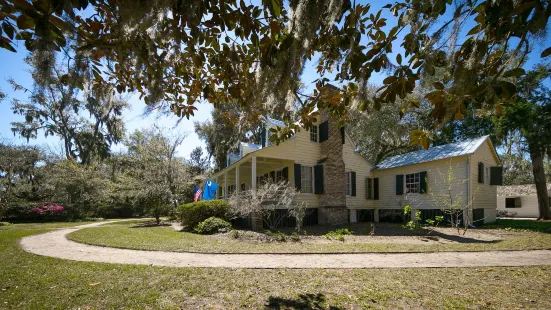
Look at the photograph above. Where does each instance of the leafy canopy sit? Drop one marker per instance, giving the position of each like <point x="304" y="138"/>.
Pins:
<point x="178" y="53"/>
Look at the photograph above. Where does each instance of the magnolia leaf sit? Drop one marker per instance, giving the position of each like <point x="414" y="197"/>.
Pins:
<point x="276" y="5"/>
<point x="438" y="85"/>
<point x="515" y="72"/>
<point x="546" y="52"/>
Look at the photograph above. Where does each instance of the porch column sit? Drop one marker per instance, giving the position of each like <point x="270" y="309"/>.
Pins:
<point x="256" y="217"/>
<point x="218" y="190"/>
<point x="253" y="173"/>
<point x="226" y="185"/>
<point x="237" y="185"/>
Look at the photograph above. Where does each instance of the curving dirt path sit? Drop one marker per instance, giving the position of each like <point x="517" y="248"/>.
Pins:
<point x="55" y="244"/>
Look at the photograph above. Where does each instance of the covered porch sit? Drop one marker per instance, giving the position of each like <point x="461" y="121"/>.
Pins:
<point x="250" y="171"/>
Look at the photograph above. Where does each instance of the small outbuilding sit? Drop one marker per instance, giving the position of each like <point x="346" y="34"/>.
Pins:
<point x="518" y="200"/>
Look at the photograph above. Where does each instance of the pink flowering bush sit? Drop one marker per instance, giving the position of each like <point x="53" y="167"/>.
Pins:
<point x="49" y="210"/>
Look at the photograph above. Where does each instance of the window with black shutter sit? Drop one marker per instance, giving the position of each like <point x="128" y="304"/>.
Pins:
<point x="376" y="188"/>
<point x="496" y="176"/>
<point x="324" y="131"/>
<point x="342" y="134"/>
<point x="285" y="174"/>
<point x="263" y="137"/>
<point x="353" y="181"/>
<point x="481" y="172"/>
<point x="399" y="184"/>
<point x="318" y="179"/>
<point x="369" y="188"/>
<point x="297" y="176"/>
<point x="423" y="182"/>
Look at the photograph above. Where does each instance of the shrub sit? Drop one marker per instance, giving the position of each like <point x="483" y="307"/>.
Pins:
<point x="5" y="223"/>
<point x="276" y="235"/>
<point x="338" y="234"/>
<point x="212" y="225"/>
<point x="192" y="214"/>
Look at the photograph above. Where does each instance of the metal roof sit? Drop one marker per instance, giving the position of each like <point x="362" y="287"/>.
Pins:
<point x="434" y="153"/>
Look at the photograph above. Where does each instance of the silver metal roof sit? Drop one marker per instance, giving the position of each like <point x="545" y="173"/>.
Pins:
<point x="434" y="153"/>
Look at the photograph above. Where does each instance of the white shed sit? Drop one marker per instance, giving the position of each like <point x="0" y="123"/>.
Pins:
<point x="518" y="200"/>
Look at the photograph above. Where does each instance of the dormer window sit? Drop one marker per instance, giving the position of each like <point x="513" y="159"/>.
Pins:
<point x="314" y="133"/>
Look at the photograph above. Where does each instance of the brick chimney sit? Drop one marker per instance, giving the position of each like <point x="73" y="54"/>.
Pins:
<point x="332" y="209"/>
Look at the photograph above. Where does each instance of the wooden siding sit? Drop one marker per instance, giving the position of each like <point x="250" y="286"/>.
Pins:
<point x="485" y="195"/>
<point x="355" y="162"/>
<point x="528" y="206"/>
<point x="387" y="183"/>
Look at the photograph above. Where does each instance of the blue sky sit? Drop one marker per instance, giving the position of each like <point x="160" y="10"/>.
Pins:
<point x="13" y="66"/>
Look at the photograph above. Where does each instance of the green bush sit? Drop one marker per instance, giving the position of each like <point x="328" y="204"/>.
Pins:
<point x="338" y="234"/>
<point x="5" y="223"/>
<point x="276" y="235"/>
<point x="212" y="225"/>
<point x="192" y="214"/>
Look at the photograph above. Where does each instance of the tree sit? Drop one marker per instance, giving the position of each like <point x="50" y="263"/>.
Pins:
<point x="199" y="164"/>
<point x="158" y="175"/>
<point x="265" y="200"/>
<point x="20" y="178"/>
<point x="56" y="106"/>
<point x="456" y="206"/>
<point x="182" y="53"/>
<point x="385" y="132"/>
<point x="228" y="127"/>
<point x="530" y="117"/>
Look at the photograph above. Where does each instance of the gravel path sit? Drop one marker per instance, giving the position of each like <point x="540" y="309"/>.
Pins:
<point x="55" y="244"/>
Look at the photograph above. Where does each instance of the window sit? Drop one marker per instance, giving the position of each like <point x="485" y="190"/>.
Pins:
<point x="268" y="135"/>
<point x="412" y="183"/>
<point x="369" y="188"/>
<point x="510" y="203"/>
<point x="347" y="180"/>
<point x="487" y="175"/>
<point x="279" y="175"/>
<point x="307" y="179"/>
<point x="314" y="133"/>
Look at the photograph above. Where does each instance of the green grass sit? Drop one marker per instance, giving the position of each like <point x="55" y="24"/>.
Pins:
<point x="521" y="225"/>
<point x="34" y="282"/>
<point x="166" y="239"/>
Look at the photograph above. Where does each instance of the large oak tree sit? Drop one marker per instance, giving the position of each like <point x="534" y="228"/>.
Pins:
<point x="178" y="53"/>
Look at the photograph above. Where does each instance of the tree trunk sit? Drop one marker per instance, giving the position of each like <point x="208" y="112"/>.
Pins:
<point x="541" y="186"/>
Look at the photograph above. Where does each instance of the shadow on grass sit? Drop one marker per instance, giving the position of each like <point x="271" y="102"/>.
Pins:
<point x="303" y="301"/>
<point x="459" y="238"/>
<point x="521" y="225"/>
<point x="150" y="224"/>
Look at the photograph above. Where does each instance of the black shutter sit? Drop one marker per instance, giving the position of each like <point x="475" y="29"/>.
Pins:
<point x="496" y="176"/>
<point x="263" y="137"/>
<point x="342" y="134"/>
<point x="480" y="172"/>
<point x="353" y="180"/>
<point x="324" y="131"/>
<point x="423" y="182"/>
<point x="297" y="177"/>
<point x="318" y="179"/>
<point x="285" y="174"/>
<point x="399" y="184"/>
<point x="272" y="176"/>
<point x="376" y="188"/>
<point x="368" y="186"/>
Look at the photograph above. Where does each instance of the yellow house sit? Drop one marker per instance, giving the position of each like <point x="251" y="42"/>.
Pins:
<point x="466" y="171"/>
<point x="336" y="182"/>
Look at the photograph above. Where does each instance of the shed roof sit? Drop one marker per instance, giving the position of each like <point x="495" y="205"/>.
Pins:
<point x="519" y="190"/>
<point x="434" y="153"/>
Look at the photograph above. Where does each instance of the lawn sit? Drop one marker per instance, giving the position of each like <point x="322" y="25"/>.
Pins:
<point x="126" y="235"/>
<point x="522" y="225"/>
<point x="35" y="282"/>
